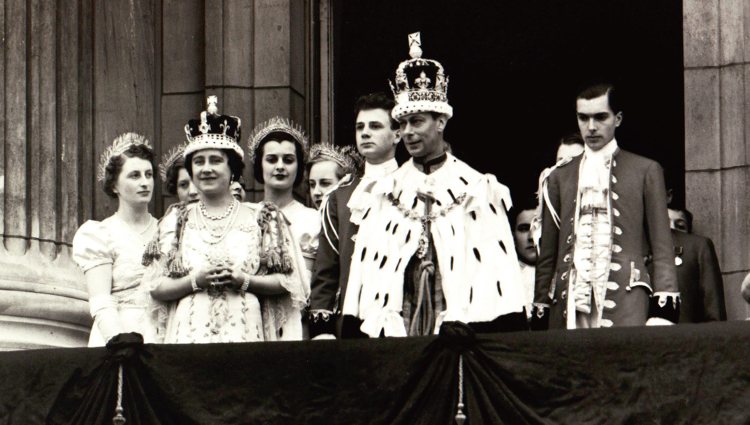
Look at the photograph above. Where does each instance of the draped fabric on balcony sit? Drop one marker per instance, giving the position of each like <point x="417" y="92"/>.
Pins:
<point x="669" y="375"/>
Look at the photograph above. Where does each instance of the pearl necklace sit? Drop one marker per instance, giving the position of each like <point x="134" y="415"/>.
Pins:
<point x="216" y="234"/>
<point x="226" y="213"/>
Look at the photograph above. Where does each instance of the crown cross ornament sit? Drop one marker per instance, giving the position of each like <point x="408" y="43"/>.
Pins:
<point x="415" y="45"/>
<point x="420" y="84"/>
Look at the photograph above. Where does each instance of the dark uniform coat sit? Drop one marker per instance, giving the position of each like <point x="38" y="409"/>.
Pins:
<point x="331" y="271"/>
<point x="637" y="197"/>
<point x="699" y="277"/>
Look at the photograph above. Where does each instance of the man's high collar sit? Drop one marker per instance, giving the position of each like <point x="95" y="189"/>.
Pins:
<point x="605" y="151"/>
<point x="430" y="165"/>
<point x="376" y="171"/>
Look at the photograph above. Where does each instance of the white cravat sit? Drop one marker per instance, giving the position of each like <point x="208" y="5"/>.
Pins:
<point x="594" y="171"/>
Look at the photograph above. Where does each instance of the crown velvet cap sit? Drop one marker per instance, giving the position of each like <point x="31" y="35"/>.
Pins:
<point x="213" y="131"/>
<point x="420" y="84"/>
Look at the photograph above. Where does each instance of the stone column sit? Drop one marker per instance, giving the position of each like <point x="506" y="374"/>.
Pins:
<point x="76" y="76"/>
<point x="42" y="296"/>
<point x="717" y="133"/>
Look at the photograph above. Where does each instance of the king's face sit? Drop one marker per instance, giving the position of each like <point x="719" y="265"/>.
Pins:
<point x="421" y="133"/>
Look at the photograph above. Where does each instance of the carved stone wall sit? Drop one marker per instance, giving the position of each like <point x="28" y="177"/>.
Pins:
<point x="717" y="133"/>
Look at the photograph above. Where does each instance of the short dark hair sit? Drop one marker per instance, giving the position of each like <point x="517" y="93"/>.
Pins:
<point x="114" y="166"/>
<point x="572" y="139"/>
<point x="172" y="174"/>
<point x="236" y="166"/>
<point x="600" y="89"/>
<point x="524" y="203"/>
<point x="376" y="100"/>
<point x="298" y="152"/>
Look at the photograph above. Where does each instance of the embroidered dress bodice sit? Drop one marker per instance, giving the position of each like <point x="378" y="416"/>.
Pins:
<point x="213" y="316"/>
<point x="225" y="316"/>
<point x="593" y="244"/>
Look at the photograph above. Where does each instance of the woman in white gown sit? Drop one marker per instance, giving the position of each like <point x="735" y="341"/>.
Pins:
<point x="221" y="270"/>
<point x="109" y="251"/>
<point x="278" y="149"/>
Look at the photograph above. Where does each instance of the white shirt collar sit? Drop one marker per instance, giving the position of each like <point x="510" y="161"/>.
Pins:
<point x="605" y="151"/>
<point x="376" y="171"/>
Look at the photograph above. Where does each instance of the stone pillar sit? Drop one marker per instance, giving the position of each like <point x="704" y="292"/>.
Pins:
<point x="42" y="296"/>
<point x="717" y="133"/>
<point x="76" y="76"/>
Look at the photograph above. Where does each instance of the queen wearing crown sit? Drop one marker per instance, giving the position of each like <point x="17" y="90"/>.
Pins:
<point x="109" y="251"/>
<point x="221" y="270"/>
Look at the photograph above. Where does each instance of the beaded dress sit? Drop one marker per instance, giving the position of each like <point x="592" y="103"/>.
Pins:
<point x="188" y="241"/>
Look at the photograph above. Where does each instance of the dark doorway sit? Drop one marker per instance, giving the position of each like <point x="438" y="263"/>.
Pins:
<point x="515" y="68"/>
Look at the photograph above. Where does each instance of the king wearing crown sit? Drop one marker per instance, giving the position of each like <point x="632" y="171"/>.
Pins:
<point x="434" y="243"/>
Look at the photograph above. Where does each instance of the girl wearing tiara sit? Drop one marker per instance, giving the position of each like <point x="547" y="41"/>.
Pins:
<point x="278" y="149"/>
<point x="109" y="251"/>
<point x="330" y="166"/>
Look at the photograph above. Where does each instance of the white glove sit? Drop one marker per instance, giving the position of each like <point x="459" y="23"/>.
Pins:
<point x="103" y="309"/>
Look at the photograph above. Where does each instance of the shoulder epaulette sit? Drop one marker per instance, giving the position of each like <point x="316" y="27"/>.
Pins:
<point x="563" y="162"/>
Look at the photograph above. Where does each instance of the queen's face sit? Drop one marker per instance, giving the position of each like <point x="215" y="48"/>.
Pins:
<point x="135" y="184"/>
<point x="211" y="172"/>
<point x="279" y="164"/>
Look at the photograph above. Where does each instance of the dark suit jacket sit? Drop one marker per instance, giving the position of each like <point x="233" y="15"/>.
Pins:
<point x="699" y="277"/>
<point x="639" y="220"/>
<point x="331" y="271"/>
